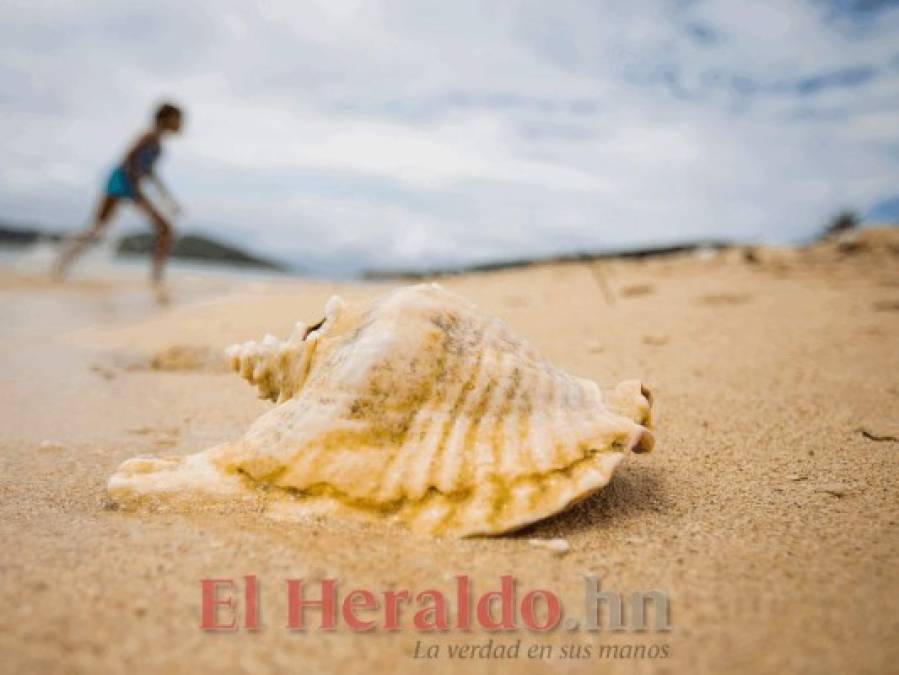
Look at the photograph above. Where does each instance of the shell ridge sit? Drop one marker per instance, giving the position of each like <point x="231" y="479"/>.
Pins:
<point x="498" y="431"/>
<point x="452" y="465"/>
<point x="429" y="465"/>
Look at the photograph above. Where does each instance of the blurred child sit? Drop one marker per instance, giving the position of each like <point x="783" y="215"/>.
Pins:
<point x="125" y="182"/>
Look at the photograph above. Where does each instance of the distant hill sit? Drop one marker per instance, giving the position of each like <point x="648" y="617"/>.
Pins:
<point x="190" y="247"/>
<point x="196" y="247"/>
<point x="576" y="257"/>
<point x="25" y="236"/>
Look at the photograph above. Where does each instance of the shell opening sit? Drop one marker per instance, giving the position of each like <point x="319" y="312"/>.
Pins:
<point x="314" y="327"/>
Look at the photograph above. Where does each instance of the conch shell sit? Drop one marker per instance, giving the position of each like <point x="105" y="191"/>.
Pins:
<point x="416" y="407"/>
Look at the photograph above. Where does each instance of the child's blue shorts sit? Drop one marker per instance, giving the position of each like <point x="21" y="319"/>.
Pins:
<point x="119" y="185"/>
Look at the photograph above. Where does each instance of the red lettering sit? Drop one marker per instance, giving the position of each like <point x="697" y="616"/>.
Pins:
<point x="434" y="617"/>
<point x="553" y="610"/>
<point x="211" y="602"/>
<point x="350" y="605"/>
<point x="296" y="603"/>
<point x="463" y="602"/>
<point x="251" y="609"/>
<point x="392" y="600"/>
<point x="506" y="598"/>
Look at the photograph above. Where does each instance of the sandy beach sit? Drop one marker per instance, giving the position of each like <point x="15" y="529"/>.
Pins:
<point x="767" y="512"/>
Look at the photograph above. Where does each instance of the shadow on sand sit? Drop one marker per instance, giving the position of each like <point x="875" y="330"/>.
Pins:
<point x="633" y="490"/>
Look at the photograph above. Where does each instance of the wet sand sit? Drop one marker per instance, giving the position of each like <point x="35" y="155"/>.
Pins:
<point x="768" y="512"/>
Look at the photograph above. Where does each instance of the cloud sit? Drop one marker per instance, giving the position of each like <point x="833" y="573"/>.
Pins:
<point x="404" y="133"/>
<point x="854" y="76"/>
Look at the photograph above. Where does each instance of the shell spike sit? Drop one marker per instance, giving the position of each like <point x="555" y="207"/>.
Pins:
<point x="640" y="440"/>
<point x="298" y="333"/>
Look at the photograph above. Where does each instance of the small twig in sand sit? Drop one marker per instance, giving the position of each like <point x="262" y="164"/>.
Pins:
<point x="600" y="279"/>
<point x="874" y="437"/>
<point x="835" y="489"/>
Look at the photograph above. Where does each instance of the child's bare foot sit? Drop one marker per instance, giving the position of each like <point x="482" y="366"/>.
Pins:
<point x="58" y="272"/>
<point x="60" y="269"/>
<point x="161" y="292"/>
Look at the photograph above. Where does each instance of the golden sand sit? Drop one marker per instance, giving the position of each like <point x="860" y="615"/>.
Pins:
<point x="768" y="512"/>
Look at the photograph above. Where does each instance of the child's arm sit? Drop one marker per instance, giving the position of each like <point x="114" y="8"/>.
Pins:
<point x="164" y="192"/>
<point x="132" y="170"/>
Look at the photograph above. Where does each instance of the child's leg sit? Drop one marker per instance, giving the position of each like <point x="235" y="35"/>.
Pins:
<point x="76" y="245"/>
<point x="163" y="238"/>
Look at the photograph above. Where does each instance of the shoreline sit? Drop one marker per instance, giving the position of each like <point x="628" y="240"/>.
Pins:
<point x="21" y="240"/>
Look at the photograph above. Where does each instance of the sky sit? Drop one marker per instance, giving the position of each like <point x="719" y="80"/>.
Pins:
<point x="347" y="134"/>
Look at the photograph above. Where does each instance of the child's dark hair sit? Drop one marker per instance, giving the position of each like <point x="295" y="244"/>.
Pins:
<point x="167" y="110"/>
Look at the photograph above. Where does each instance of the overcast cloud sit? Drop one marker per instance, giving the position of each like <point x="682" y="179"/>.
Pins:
<point x="411" y="133"/>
